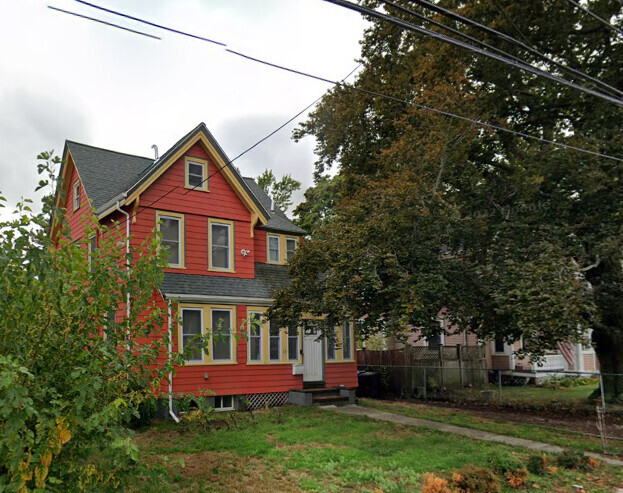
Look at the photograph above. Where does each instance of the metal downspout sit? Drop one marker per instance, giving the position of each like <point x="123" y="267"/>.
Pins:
<point x="170" y="326"/>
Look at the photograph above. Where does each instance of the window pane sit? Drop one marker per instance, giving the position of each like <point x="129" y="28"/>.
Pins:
<point x="191" y="328"/>
<point x="331" y="343"/>
<point x="173" y="257"/>
<point x="220" y="257"/>
<point x="290" y="248"/>
<point x="274" y="341"/>
<point x="346" y="340"/>
<point x="293" y="343"/>
<point x="255" y="337"/>
<point x="220" y="246"/>
<point x="434" y="340"/>
<point x="273" y="248"/>
<point x="499" y="345"/>
<point x="195" y="174"/>
<point x="220" y="235"/>
<point x="170" y="228"/>
<point x="221" y="335"/>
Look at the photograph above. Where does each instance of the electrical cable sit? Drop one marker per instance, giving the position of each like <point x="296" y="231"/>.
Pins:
<point x="446" y="13"/>
<point x="595" y="16"/>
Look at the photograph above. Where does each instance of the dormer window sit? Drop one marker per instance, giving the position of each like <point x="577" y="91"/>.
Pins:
<point x="76" y="195"/>
<point x="290" y="248"/>
<point x="280" y="248"/>
<point x="196" y="173"/>
<point x="273" y="249"/>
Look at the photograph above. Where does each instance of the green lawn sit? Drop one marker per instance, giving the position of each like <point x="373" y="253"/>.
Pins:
<point x="308" y="449"/>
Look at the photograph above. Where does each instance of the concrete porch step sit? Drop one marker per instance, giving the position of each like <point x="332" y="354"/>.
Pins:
<point x="331" y="395"/>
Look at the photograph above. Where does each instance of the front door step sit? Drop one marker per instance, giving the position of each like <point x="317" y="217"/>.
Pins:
<point x="322" y="396"/>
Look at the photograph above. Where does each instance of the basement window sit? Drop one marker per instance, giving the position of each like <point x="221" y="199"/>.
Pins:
<point x="224" y="403"/>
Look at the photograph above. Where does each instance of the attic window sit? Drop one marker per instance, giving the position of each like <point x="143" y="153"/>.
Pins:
<point x="76" y="195"/>
<point x="196" y="174"/>
<point x="290" y="248"/>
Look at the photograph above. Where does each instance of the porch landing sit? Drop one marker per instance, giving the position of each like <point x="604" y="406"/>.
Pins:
<point x="322" y="396"/>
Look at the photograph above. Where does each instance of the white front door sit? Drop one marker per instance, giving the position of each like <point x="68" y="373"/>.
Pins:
<point x="313" y="357"/>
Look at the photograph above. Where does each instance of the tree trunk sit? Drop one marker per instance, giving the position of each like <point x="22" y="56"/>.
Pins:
<point x="608" y="342"/>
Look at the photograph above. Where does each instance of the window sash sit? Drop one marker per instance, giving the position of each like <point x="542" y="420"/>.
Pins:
<point x="255" y="336"/>
<point x="220" y="246"/>
<point x="273" y="249"/>
<point x="76" y="197"/>
<point x="274" y="342"/>
<point x="346" y="341"/>
<point x="170" y="228"/>
<point x="293" y="343"/>
<point x="189" y="332"/>
<point x="290" y="248"/>
<point x="331" y="351"/>
<point x="195" y="174"/>
<point x="221" y="335"/>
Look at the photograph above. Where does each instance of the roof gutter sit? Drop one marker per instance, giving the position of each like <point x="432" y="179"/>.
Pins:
<point x="201" y="298"/>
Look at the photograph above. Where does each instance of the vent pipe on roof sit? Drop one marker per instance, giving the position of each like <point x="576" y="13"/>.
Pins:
<point x="272" y="203"/>
<point x="155" y="148"/>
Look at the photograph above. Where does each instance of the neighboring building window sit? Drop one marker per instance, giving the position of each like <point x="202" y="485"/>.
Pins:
<point x="76" y="195"/>
<point x="347" y="341"/>
<point x="293" y="343"/>
<point x="331" y="352"/>
<point x="192" y="322"/>
<point x="221" y="335"/>
<point x="499" y="345"/>
<point x="435" y="340"/>
<point x="290" y="248"/>
<point x="221" y="245"/>
<point x="110" y="321"/>
<point x="224" y="403"/>
<point x="274" y="341"/>
<point x="273" y="249"/>
<point x="196" y="174"/>
<point x="255" y="336"/>
<point x="172" y="227"/>
<point x="92" y="249"/>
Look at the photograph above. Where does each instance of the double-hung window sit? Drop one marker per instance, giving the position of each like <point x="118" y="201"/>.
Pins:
<point x="290" y="248"/>
<point x="347" y="341"/>
<point x="274" y="252"/>
<point x="172" y="229"/>
<point x="293" y="343"/>
<point x="221" y="334"/>
<point x="221" y="245"/>
<point x="76" y="195"/>
<point x="192" y="323"/>
<point x="274" y="341"/>
<point x="256" y="323"/>
<point x="92" y="248"/>
<point x="196" y="171"/>
<point x="331" y="346"/>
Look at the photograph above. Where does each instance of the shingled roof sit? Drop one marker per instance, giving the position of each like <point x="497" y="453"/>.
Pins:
<point x="107" y="175"/>
<point x="268" y="279"/>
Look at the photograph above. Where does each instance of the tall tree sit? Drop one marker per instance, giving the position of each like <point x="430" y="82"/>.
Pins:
<point x="516" y="237"/>
<point x="280" y="190"/>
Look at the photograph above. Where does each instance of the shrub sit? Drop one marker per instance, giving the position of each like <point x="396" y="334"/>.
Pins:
<point x="570" y="459"/>
<point x="469" y="479"/>
<point x="504" y="463"/>
<point x="517" y="478"/>
<point x="537" y="464"/>
<point x="435" y="484"/>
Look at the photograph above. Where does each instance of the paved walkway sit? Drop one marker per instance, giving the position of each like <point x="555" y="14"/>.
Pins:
<point x="458" y="430"/>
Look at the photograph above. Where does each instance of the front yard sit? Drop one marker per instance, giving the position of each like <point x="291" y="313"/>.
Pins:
<point x="310" y="449"/>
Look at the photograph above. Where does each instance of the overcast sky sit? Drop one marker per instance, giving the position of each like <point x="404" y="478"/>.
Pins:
<point x="62" y="77"/>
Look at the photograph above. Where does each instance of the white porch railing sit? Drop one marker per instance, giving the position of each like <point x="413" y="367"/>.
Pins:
<point x="551" y="362"/>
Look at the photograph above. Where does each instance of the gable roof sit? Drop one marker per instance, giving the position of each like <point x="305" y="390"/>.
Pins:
<point x="110" y="176"/>
<point x="278" y="221"/>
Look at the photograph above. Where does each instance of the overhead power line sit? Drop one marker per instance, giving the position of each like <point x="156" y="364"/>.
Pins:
<point x="446" y="113"/>
<point x="467" y="46"/>
<point x="509" y="39"/>
<point x="595" y="16"/>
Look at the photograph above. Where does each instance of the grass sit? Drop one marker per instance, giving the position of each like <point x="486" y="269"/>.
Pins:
<point x="308" y="449"/>
<point x="560" y="437"/>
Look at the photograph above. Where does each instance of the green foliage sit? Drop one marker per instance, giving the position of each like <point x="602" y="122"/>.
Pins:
<point x="515" y="238"/>
<point x="66" y="391"/>
<point x="537" y="464"/>
<point x="504" y="463"/>
<point x="280" y="190"/>
<point x="472" y="478"/>
<point x="572" y="459"/>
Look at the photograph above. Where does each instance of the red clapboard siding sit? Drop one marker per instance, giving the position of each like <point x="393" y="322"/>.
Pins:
<point x="78" y="219"/>
<point x="259" y="244"/>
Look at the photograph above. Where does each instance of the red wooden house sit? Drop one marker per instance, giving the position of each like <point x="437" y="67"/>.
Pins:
<point x="228" y="249"/>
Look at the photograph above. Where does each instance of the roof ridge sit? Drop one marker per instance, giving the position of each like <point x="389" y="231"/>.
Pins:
<point x="108" y="150"/>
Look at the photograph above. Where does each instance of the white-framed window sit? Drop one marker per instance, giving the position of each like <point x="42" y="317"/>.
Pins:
<point x="221" y="245"/>
<point x="293" y="343"/>
<point x="256" y="328"/>
<point x="499" y="345"/>
<point x="331" y="344"/>
<point x="438" y="339"/>
<point x="192" y="328"/>
<point x="76" y="195"/>
<point x="224" y="403"/>
<point x="222" y="339"/>
<point x="196" y="173"/>
<point x="171" y="226"/>
<point x="274" y="341"/>
<point x="274" y="253"/>
<point x="347" y="340"/>
<point x="290" y="248"/>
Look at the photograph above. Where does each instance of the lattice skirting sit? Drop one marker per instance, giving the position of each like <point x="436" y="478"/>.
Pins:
<point x="257" y="401"/>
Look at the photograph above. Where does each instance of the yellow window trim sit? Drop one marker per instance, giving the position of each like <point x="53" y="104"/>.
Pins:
<point x="339" y="353"/>
<point x="265" y="341"/>
<point x="206" y="359"/>
<point x="204" y="187"/>
<point x="176" y="215"/>
<point x="283" y="254"/>
<point x="232" y="267"/>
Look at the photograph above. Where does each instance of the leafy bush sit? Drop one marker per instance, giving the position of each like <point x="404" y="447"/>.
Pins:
<point x="570" y="459"/>
<point x="435" y="484"/>
<point x="504" y="463"/>
<point x="470" y="478"/>
<point x="537" y="464"/>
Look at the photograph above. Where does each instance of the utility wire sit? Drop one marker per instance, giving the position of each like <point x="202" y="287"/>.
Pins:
<point x="510" y="39"/>
<point x="446" y="113"/>
<point x="103" y="22"/>
<point x="467" y="46"/>
<point x="595" y="16"/>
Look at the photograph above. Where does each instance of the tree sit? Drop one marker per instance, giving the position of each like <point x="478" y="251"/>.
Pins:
<point x="319" y="204"/>
<point x="516" y="237"/>
<point x="72" y="373"/>
<point x="279" y="190"/>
